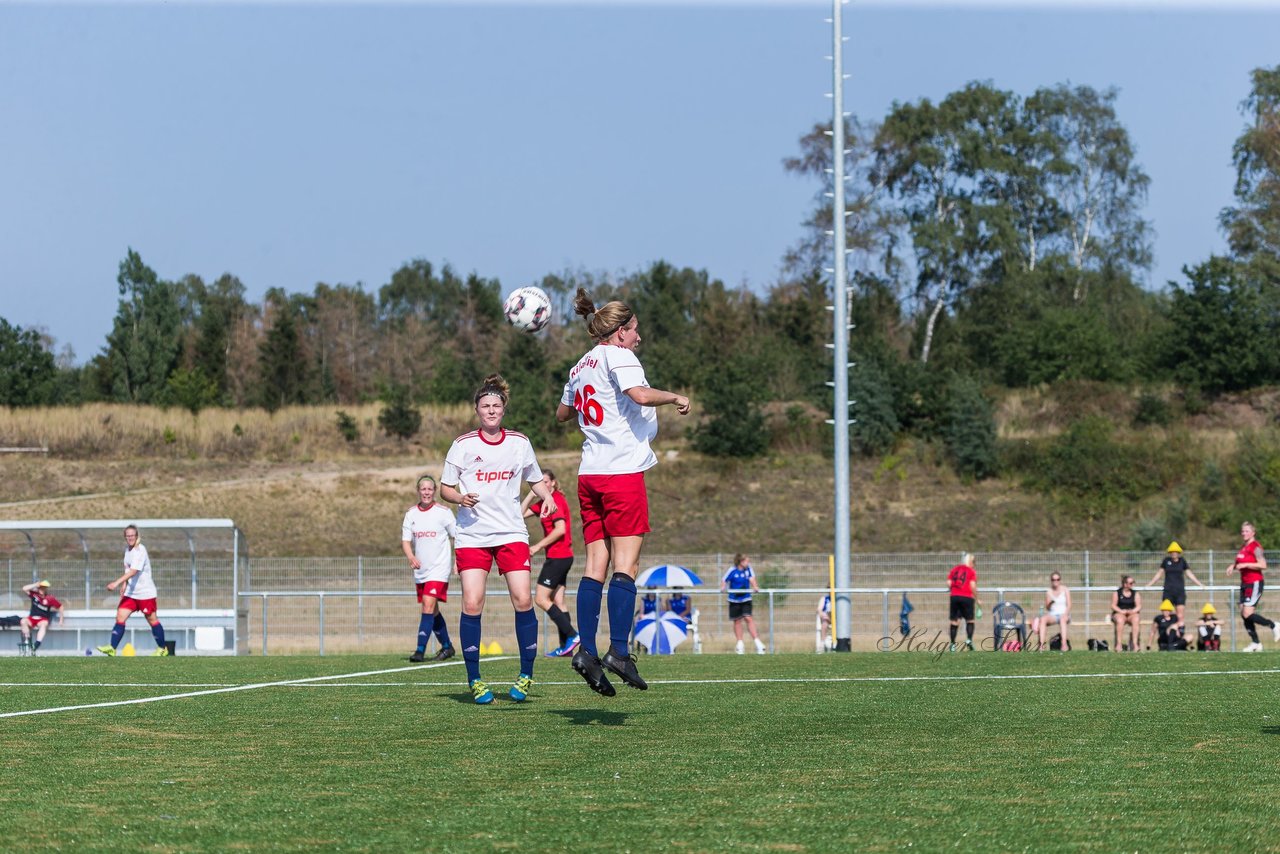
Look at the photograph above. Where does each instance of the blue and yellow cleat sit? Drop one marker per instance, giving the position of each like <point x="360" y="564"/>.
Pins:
<point x="481" y="692"/>
<point x="160" y="652"/>
<point x="107" y="650"/>
<point x="520" y="690"/>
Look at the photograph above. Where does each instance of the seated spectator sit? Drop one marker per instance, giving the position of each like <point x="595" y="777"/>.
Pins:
<point x="1126" y="610"/>
<point x="1209" y="628"/>
<point x="1165" y="630"/>
<point x="1057" y="604"/>
<point x="681" y="604"/>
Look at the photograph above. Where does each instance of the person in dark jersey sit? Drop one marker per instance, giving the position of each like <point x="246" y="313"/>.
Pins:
<point x="1175" y="571"/>
<point x="1209" y="629"/>
<point x="1166" y="632"/>
<point x="1126" y="611"/>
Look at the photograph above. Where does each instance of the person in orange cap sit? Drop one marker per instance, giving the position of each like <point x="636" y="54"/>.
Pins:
<point x="1175" y="571"/>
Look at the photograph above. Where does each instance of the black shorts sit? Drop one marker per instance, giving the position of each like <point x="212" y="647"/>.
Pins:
<point x="555" y="572"/>
<point x="962" y="608"/>
<point x="1251" y="593"/>
<point x="738" y="610"/>
<point x="1176" y="597"/>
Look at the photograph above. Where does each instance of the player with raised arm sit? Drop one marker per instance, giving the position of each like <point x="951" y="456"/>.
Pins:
<point x="482" y="475"/>
<point x="609" y="396"/>
<point x="425" y="536"/>
<point x="137" y="593"/>
<point x="1251" y="563"/>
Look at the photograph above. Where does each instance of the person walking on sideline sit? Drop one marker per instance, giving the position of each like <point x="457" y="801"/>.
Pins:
<point x="43" y="606"/>
<point x="1175" y="571"/>
<point x="615" y="409"/>
<point x="138" y="593"/>
<point x="426" y="536"/>
<point x="482" y="475"/>
<point x="1250" y="562"/>
<point x="740" y="581"/>
<point x="557" y="539"/>
<point x="963" y="581"/>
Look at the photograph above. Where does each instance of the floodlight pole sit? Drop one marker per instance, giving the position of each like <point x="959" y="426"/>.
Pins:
<point x="840" y="356"/>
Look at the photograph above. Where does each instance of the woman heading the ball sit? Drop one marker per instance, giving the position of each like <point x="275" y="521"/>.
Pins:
<point x="614" y="405"/>
<point x="482" y="475"/>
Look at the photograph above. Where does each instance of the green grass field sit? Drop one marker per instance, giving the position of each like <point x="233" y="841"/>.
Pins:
<point x="869" y="752"/>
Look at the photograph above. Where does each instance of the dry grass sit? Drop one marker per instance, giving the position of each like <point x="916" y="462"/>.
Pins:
<point x="120" y="431"/>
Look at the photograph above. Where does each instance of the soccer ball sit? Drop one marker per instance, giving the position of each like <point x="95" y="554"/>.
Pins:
<point x="528" y="309"/>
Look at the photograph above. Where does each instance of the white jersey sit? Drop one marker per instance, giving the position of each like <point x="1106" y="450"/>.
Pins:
<point x="493" y="471"/>
<point x="140" y="585"/>
<point x="430" y="530"/>
<point x="617" y="430"/>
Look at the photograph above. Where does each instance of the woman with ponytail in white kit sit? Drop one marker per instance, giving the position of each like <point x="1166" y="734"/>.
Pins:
<point x="614" y="405"/>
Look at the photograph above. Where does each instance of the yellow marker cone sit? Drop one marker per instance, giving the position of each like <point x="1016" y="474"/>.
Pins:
<point x="128" y="650"/>
<point x="495" y="648"/>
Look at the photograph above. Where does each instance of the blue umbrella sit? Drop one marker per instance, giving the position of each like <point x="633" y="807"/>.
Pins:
<point x="667" y="575"/>
<point x="661" y="635"/>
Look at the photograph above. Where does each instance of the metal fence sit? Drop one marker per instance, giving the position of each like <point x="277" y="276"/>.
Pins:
<point x="330" y="605"/>
<point x="366" y="604"/>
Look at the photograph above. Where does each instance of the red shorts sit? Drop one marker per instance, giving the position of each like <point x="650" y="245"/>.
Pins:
<point x="438" y="589"/>
<point x="146" y="606"/>
<point x="35" y="621"/>
<point x="510" y="557"/>
<point x="613" y="505"/>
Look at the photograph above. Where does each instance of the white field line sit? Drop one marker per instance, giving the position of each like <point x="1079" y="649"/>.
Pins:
<point x="818" y="680"/>
<point x="329" y="682"/>
<point x="229" y="690"/>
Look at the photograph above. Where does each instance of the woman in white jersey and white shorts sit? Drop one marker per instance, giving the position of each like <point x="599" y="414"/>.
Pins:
<point x="614" y="405"/>
<point x="482" y="474"/>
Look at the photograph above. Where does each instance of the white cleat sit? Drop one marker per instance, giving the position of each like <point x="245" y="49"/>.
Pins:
<point x="760" y="650"/>
<point x="739" y="648"/>
<point x="1253" y="647"/>
<point x="1275" y="632"/>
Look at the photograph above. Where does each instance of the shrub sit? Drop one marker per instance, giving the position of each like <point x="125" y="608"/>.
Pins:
<point x="735" y="425"/>
<point x="875" y="423"/>
<point x="1152" y="411"/>
<point x="399" y="417"/>
<point x="348" y="427"/>
<point x="970" y="433"/>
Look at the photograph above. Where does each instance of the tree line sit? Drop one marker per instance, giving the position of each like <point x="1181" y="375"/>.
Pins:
<point x="998" y="241"/>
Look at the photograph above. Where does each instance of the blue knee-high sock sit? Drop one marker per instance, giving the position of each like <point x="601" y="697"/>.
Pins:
<point x="622" y="609"/>
<point x="527" y="638"/>
<point x="157" y="632"/>
<point x="424" y="630"/>
<point x="117" y="632"/>
<point x="469" y="631"/>
<point x="441" y="630"/>
<point x="590" y="592"/>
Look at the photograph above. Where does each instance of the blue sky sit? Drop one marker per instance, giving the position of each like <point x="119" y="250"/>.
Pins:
<point x="294" y="143"/>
